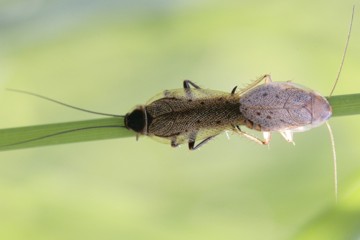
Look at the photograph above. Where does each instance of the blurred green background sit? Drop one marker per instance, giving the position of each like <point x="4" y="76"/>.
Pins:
<point x="111" y="55"/>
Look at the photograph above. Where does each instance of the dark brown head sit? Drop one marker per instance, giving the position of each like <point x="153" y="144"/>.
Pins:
<point x="136" y="120"/>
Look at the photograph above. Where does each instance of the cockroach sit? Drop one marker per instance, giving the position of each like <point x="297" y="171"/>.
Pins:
<point x="192" y="113"/>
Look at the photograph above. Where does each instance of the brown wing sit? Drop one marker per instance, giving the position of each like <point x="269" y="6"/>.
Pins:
<point x="180" y="118"/>
<point x="197" y="136"/>
<point x="181" y="93"/>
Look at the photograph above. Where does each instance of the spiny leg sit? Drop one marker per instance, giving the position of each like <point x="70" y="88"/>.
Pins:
<point x="233" y="90"/>
<point x="187" y="88"/>
<point x="187" y="84"/>
<point x="267" y="136"/>
<point x="266" y="78"/>
<point x="192" y="138"/>
<point x="192" y="143"/>
<point x="288" y="136"/>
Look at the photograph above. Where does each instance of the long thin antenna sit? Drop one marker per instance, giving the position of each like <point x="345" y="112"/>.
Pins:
<point x="63" y="104"/>
<point x="335" y="162"/>
<point x="332" y="91"/>
<point x="345" y="50"/>
<point x="60" y="133"/>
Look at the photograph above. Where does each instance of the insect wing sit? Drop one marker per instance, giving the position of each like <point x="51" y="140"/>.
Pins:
<point x="277" y="106"/>
<point x="192" y="93"/>
<point x="182" y="116"/>
<point x="197" y="136"/>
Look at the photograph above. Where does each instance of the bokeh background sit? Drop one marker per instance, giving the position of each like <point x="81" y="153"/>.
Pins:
<point x="112" y="55"/>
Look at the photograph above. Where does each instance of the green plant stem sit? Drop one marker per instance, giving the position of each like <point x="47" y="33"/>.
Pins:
<point x="113" y="127"/>
<point x="59" y="133"/>
<point x="344" y="105"/>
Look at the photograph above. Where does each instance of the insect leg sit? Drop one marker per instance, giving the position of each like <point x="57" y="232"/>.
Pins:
<point x="187" y="84"/>
<point x="253" y="138"/>
<point x="267" y="137"/>
<point x="266" y="78"/>
<point x="288" y="135"/>
<point x="173" y="143"/>
<point x="192" y="143"/>
<point x="187" y="88"/>
<point x="233" y="90"/>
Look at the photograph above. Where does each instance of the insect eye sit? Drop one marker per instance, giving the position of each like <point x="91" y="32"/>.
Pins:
<point x="136" y="120"/>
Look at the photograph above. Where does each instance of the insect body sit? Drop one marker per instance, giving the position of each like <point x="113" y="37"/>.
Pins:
<point x="192" y="114"/>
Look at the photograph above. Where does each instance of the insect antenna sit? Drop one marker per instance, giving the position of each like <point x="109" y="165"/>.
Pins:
<point x="345" y="50"/>
<point x="63" y="104"/>
<point x="334" y="158"/>
<point x="65" y="131"/>
<point x="332" y="91"/>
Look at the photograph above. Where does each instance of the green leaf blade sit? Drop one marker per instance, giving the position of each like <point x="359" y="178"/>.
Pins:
<point x="61" y="133"/>
<point x="345" y="105"/>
